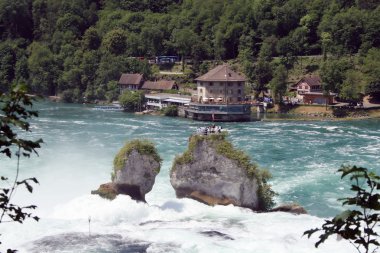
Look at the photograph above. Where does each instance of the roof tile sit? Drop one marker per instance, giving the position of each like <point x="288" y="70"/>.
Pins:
<point x="221" y="73"/>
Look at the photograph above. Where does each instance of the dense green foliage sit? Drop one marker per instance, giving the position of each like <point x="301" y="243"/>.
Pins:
<point x="144" y="147"/>
<point x="132" y="100"/>
<point x="79" y="46"/>
<point x="171" y="111"/>
<point x="226" y="149"/>
<point x="359" y="225"/>
<point x="15" y="111"/>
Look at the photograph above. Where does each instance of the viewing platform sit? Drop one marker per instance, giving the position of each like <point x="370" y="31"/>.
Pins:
<point x="219" y="112"/>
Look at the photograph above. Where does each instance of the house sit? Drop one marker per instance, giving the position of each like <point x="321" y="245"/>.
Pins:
<point x="220" y="85"/>
<point x="130" y="82"/>
<point x="309" y="91"/>
<point x="160" y="85"/>
<point x="220" y="97"/>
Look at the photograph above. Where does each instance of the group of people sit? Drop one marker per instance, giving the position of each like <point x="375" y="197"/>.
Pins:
<point x="209" y="130"/>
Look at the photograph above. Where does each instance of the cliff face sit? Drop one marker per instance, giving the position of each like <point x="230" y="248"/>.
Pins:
<point x="211" y="173"/>
<point x="139" y="170"/>
<point x="135" y="169"/>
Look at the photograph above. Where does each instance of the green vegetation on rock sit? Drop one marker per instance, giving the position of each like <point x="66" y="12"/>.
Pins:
<point x="143" y="147"/>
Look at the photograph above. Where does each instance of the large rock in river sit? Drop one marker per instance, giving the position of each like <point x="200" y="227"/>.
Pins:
<point x="212" y="171"/>
<point x="135" y="169"/>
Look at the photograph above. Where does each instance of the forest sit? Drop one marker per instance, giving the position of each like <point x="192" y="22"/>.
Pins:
<point x="78" y="48"/>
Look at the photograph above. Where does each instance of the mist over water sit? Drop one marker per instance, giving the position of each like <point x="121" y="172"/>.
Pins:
<point x="77" y="156"/>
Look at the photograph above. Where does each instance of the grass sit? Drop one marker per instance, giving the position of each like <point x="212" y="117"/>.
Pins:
<point x="143" y="147"/>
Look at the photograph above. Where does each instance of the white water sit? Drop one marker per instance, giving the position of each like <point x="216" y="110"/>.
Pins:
<point x="77" y="157"/>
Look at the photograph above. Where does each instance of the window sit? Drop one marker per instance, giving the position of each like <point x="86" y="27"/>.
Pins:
<point x="210" y="91"/>
<point x="229" y="84"/>
<point x="211" y="84"/>
<point x="201" y="90"/>
<point x="230" y="91"/>
<point x="239" y="91"/>
<point x="239" y="84"/>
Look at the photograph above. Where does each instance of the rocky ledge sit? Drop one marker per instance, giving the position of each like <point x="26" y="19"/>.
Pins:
<point x="135" y="169"/>
<point x="212" y="171"/>
<point x="290" y="208"/>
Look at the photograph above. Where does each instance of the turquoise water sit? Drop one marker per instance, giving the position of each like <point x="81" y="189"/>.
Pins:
<point x="80" y="144"/>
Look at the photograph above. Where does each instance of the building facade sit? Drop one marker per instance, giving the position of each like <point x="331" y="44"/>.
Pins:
<point x="130" y="82"/>
<point x="220" y="85"/>
<point x="309" y="91"/>
<point x="220" y="97"/>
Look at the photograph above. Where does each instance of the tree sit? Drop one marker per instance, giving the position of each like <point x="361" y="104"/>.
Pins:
<point x="333" y="73"/>
<point x="356" y="225"/>
<point x="151" y="40"/>
<point x="132" y="100"/>
<point x="287" y="49"/>
<point x="326" y="44"/>
<point x="7" y="63"/>
<point x="278" y="84"/>
<point x="91" y="39"/>
<point x="42" y="67"/>
<point x="352" y="87"/>
<point x="14" y="117"/>
<point x="113" y="91"/>
<point x="115" y="41"/>
<point x="183" y="40"/>
<point x="16" y="19"/>
<point x="346" y="28"/>
<point x="371" y="70"/>
<point x="263" y="75"/>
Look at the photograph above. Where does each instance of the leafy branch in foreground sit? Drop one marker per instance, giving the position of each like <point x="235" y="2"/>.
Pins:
<point x="14" y="114"/>
<point x="357" y="225"/>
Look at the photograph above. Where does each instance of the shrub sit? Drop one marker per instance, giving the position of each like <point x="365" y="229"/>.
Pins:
<point x="340" y="112"/>
<point x="132" y="100"/>
<point x="171" y="111"/>
<point x="68" y="96"/>
<point x="357" y="225"/>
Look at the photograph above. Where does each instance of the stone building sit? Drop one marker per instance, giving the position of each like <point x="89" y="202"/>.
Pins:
<point x="220" y="85"/>
<point x="220" y="97"/>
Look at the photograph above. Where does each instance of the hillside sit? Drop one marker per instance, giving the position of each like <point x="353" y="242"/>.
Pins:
<point x="79" y="48"/>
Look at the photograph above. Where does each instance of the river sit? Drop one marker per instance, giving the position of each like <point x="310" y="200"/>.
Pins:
<point x="77" y="154"/>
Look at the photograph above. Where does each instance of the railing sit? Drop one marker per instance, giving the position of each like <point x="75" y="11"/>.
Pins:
<point x="229" y="103"/>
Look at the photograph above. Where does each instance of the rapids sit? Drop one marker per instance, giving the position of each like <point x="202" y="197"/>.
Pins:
<point x="77" y="156"/>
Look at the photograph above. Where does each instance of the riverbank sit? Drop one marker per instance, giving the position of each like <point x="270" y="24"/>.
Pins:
<point x="320" y="113"/>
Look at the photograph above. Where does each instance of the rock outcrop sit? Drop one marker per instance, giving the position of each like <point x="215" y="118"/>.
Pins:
<point x="213" y="172"/>
<point x="290" y="208"/>
<point x="135" y="169"/>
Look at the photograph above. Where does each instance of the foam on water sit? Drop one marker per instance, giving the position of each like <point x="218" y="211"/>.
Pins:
<point x="183" y="223"/>
<point x="77" y="156"/>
